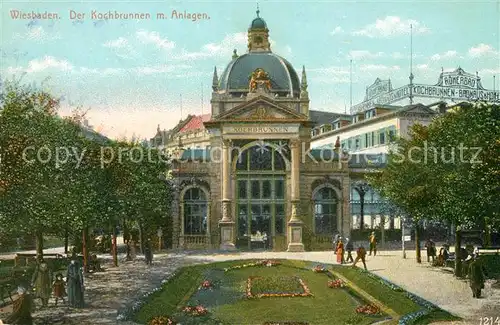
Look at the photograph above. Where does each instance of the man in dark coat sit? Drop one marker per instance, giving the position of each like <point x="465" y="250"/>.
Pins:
<point x="476" y="277"/>
<point x="349" y="248"/>
<point x="148" y="252"/>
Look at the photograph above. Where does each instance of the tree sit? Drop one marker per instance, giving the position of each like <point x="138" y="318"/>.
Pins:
<point x="448" y="170"/>
<point x="406" y="182"/>
<point x="32" y="180"/>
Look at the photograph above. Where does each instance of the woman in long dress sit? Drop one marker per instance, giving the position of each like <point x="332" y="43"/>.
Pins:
<point x="75" y="286"/>
<point x="42" y="282"/>
<point x="340" y="252"/>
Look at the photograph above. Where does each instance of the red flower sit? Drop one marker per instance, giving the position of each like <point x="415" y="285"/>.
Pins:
<point x="368" y="310"/>
<point x="206" y="284"/>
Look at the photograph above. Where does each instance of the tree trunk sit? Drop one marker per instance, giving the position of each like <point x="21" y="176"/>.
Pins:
<point x="141" y="237"/>
<point x="84" y="249"/>
<point x="39" y="244"/>
<point x="382" y="231"/>
<point x="417" y="243"/>
<point x="361" y="211"/>
<point x="487" y="239"/>
<point x="458" y="256"/>
<point x="114" y="249"/>
<point x="66" y="241"/>
<point x="391" y="223"/>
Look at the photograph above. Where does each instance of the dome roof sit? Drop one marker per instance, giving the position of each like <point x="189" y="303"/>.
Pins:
<point x="258" y="23"/>
<point x="283" y="77"/>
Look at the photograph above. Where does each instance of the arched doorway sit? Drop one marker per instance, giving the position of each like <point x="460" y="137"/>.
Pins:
<point x="325" y="205"/>
<point x="195" y="212"/>
<point x="260" y="196"/>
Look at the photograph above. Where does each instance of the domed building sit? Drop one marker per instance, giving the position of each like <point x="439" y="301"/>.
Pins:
<point x="253" y="181"/>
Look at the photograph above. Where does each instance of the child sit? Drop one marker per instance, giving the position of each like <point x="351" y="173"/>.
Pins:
<point x="59" y="287"/>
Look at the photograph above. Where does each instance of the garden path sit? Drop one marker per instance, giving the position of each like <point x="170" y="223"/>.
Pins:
<point x="113" y="290"/>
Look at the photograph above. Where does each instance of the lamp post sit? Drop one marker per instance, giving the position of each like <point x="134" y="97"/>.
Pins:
<point x="403" y="235"/>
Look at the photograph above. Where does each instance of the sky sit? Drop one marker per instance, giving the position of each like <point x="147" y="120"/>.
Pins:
<point x="132" y="75"/>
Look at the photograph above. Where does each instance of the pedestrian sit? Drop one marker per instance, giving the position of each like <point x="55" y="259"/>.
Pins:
<point x="76" y="288"/>
<point x="335" y="241"/>
<point x="59" y="288"/>
<point x="373" y="244"/>
<point x="148" y="252"/>
<point x="340" y="251"/>
<point x="476" y="277"/>
<point x="42" y="281"/>
<point x="431" y="250"/>
<point x="360" y="255"/>
<point x="349" y="247"/>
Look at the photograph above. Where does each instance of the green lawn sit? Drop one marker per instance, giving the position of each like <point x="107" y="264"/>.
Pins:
<point x="228" y="304"/>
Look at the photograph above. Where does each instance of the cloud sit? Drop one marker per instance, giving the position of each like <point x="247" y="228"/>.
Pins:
<point x="39" y="65"/>
<point x="49" y="62"/>
<point x="446" y="55"/>
<point x="422" y="67"/>
<point x="482" y="50"/>
<point x="221" y="49"/>
<point x="337" y="30"/>
<point x="378" y="67"/>
<point x="121" y="47"/>
<point x="362" y="54"/>
<point x="489" y="72"/>
<point x="37" y="34"/>
<point x="329" y="75"/>
<point x="391" y="26"/>
<point x="397" y="55"/>
<point x="117" y="43"/>
<point x="154" y="38"/>
<point x="329" y="70"/>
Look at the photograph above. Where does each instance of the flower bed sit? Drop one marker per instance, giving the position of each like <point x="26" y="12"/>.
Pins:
<point x="161" y="320"/>
<point x="291" y="289"/>
<point x="260" y="263"/>
<point x="206" y="285"/>
<point x="195" y="310"/>
<point x="270" y="263"/>
<point x="128" y="312"/>
<point x="285" y="323"/>
<point x="410" y="318"/>
<point x="336" y="284"/>
<point x="368" y="310"/>
<point x="319" y="269"/>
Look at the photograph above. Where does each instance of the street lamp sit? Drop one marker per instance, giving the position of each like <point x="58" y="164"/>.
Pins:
<point x="403" y="219"/>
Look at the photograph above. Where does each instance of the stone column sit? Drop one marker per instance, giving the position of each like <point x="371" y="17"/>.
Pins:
<point x="295" y="224"/>
<point x="346" y="206"/>
<point x="176" y="220"/>
<point x="226" y="224"/>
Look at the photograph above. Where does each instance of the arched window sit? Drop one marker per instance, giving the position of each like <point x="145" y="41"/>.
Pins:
<point x="325" y="211"/>
<point x="260" y="158"/>
<point x="195" y="212"/>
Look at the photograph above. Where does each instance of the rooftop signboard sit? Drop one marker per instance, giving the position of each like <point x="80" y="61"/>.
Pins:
<point x="456" y="85"/>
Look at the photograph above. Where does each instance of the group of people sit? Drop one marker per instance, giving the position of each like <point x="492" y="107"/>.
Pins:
<point x="341" y="246"/>
<point x="471" y="264"/>
<point x="43" y="288"/>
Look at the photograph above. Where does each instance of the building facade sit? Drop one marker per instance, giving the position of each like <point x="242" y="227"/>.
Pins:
<point x="248" y="177"/>
<point x="263" y="170"/>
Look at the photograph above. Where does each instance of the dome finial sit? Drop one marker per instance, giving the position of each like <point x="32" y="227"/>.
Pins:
<point x="258" y="11"/>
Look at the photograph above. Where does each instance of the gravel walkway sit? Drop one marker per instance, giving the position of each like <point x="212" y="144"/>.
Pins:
<point x="110" y="291"/>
